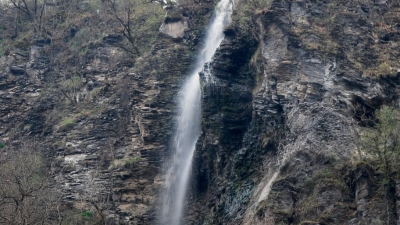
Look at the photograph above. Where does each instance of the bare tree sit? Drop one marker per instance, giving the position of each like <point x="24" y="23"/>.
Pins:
<point x="25" y="194"/>
<point x="22" y="6"/>
<point x="32" y="8"/>
<point x="123" y="13"/>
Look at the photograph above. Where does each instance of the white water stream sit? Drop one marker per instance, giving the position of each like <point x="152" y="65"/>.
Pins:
<point x="188" y="126"/>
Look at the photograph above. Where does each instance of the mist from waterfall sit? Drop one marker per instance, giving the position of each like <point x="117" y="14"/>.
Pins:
<point x="188" y="125"/>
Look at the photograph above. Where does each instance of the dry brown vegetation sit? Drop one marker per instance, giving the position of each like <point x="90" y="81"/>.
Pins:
<point x="68" y="35"/>
<point x="25" y="193"/>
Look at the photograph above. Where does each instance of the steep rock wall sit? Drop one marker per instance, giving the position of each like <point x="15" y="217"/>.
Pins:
<point x="103" y="115"/>
<point x="279" y="122"/>
<point x="279" y="148"/>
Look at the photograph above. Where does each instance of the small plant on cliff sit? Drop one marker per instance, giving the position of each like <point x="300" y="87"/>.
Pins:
<point x="259" y="4"/>
<point x="384" y="69"/>
<point x="87" y="214"/>
<point x="309" y="182"/>
<point x="67" y="124"/>
<point x="324" y="174"/>
<point x="125" y="163"/>
<point x="381" y="144"/>
<point x="70" y="88"/>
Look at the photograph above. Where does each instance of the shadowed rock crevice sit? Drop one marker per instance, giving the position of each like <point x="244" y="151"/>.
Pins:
<point x="313" y="79"/>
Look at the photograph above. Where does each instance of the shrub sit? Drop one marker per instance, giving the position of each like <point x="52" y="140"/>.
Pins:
<point x="126" y="162"/>
<point x="381" y="142"/>
<point x="324" y="174"/>
<point x="87" y="214"/>
<point x="67" y="124"/>
<point x="309" y="182"/>
<point x="70" y="88"/>
<point x="384" y="69"/>
<point x="25" y="181"/>
<point x="259" y="4"/>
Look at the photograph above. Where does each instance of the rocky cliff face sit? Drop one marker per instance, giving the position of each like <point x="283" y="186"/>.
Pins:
<point x="280" y="125"/>
<point x="103" y="115"/>
<point x="280" y="120"/>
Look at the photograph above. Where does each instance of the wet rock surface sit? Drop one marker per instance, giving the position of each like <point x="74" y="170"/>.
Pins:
<point x="279" y="116"/>
<point x="297" y="122"/>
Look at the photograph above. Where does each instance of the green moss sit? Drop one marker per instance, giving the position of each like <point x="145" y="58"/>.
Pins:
<point x="326" y="45"/>
<point x="125" y="162"/>
<point x="67" y="121"/>
<point x="384" y="69"/>
<point x="84" y="217"/>
<point x="67" y="124"/>
<point x="87" y="214"/>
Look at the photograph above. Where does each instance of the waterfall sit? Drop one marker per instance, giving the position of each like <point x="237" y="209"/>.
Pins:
<point x="188" y="126"/>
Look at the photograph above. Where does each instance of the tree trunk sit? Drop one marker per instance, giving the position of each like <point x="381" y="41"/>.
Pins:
<point x="397" y="199"/>
<point x="391" y="202"/>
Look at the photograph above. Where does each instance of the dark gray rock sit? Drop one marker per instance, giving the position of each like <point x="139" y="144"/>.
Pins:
<point x="17" y="70"/>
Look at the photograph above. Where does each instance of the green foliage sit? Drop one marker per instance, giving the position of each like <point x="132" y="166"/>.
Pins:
<point x="259" y="4"/>
<point x="73" y="83"/>
<point x="82" y="218"/>
<point x="132" y="161"/>
<point x="84" y="50"/>
<point x="71" y="88"/>
<point x="67" y="121"/>
<point x="243" y="16"/>
<point x="309" y="182"/>
<point x="145" y="25"/>
<point x="325" y="45"/>
<point x="82" y="38"/>
<point x="126" y="162"/>
<point x="242" y="19"/>
<point x="67" y="124"/>
<point x="2" y="145"/>
<point x="384" y="69"/>
<point x="324" y="174"/>
<point x="381" y="143"/>
<point x="385" y="182"/>
<point x="87" y="214"/>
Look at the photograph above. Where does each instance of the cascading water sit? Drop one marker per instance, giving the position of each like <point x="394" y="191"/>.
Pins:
<point x="189" y="121"/>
